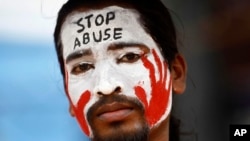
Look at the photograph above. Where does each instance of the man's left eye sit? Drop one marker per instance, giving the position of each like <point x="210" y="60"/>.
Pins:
<point x="129" y="58"/>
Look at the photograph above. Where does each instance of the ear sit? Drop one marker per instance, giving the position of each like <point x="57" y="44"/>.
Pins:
<point x="178" y="73"/>
<point x="71" y="111"/>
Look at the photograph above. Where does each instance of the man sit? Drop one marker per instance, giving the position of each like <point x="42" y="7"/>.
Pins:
<point x="120" y="66"/>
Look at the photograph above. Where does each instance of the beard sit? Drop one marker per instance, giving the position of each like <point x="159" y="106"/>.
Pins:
<point x="140" y="135"/>
<point x="119" y="130"/>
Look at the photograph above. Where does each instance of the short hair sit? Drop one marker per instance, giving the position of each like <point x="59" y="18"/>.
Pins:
<point x="154" y="17"/>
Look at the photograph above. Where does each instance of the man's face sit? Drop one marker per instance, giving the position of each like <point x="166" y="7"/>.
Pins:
<point x="116" y="78"/>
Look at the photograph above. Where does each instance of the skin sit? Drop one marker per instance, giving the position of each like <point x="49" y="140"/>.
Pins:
<point x="109" y="70"/>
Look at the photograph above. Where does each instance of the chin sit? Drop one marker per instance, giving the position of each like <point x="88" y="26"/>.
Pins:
<point x="119" y="131"/>
<point x="132" y="128"/>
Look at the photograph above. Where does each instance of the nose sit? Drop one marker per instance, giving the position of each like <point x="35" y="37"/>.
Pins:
<point x="104" y="91"/>
<point x="107" y="83"/>
<point x="107" y="87"/>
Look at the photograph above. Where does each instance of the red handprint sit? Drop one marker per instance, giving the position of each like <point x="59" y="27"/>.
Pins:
<point x="160" y="95"/>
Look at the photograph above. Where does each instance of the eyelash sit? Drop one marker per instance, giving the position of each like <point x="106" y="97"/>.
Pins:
<point x="129" y="57"/>
<point x="83" y="67"/>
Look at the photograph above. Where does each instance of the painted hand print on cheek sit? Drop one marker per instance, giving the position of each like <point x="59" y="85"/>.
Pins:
<point x="158" y="103"/>
<point x="79" y="108"/>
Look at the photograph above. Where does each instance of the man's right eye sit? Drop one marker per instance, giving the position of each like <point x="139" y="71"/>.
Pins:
<point x="81" y="68"/>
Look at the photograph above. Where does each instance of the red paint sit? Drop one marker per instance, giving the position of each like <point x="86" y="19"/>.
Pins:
<point x="154" y="109"/>
<point x="160" y="95"/>
<point x="85" y="97"/>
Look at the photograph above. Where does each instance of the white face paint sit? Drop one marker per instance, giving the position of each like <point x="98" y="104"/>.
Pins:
<point x="108" y="48"/>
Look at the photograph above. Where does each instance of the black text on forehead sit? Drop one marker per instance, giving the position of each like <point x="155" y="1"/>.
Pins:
<point x="93" y="19"/>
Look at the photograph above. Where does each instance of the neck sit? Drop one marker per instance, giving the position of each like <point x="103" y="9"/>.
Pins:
<point x="160" y="132"/>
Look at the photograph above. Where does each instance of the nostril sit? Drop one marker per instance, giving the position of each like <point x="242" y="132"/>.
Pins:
<point x="117" y="89"/>
<point x="100" y="93"/>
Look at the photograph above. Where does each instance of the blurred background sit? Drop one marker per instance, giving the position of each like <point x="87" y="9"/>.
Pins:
<point x="213" y="35"/>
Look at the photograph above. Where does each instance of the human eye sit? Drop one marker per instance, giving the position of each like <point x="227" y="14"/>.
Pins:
<point x="81" y="68"/>
<point x="129" y="57"/>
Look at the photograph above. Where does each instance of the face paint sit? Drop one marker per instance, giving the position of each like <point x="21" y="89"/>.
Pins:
<point x="108" y="49"/>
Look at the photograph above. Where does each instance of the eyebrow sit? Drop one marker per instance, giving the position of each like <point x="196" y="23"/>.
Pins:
<point x="122" y="45"/>
<point x="112" y="47"/>
<point x="78" y="54"/>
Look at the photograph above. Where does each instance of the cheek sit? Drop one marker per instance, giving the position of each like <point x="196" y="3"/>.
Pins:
<point x="79" y="106"/>
<point x="158" y="106"/>
<point x="131" y="77"/>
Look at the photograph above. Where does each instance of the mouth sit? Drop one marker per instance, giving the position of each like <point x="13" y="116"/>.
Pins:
<point x="114" y="112"/>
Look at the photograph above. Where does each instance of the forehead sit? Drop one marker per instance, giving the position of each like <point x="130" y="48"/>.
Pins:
<point x="97" y="29"/>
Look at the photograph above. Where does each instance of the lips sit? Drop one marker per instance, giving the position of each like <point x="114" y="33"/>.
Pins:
<point x="114" y="112"/>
